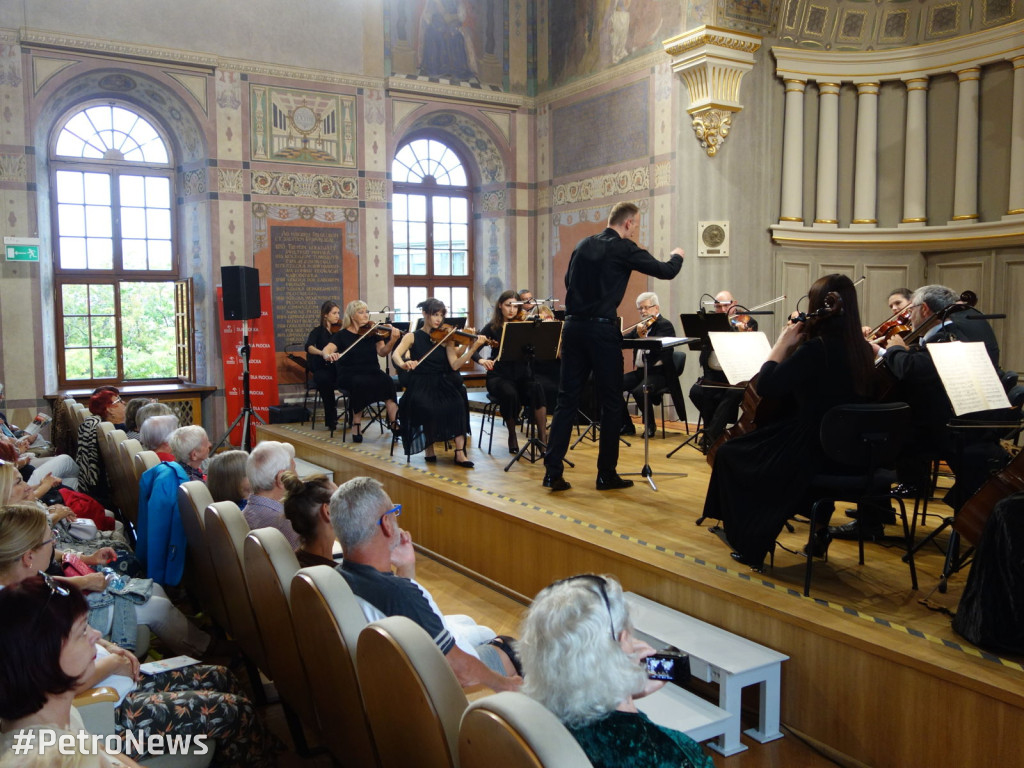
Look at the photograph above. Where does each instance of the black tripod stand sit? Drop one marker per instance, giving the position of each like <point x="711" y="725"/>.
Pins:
<point x="247" y="413"/>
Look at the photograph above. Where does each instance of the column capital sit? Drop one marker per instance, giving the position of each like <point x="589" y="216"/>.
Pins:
<point x="712" y="62"/>
<point x="795" y="86"/>
<point x="869" y="88"/>
<point x="916" y="84"/>
<point x="968" y="74"/>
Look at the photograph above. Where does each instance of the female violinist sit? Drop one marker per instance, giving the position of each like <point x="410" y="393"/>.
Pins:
<point x="510" y="383"/>
<point x="358" y="371"/>
<point x="760" y="479"/>
<point x="434" y="406"/>
<point x="322" y="370"/>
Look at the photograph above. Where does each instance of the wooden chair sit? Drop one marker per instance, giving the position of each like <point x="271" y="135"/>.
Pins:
<point x="524" y="732"/>
<point x="270" y="565"/>
<point x="193" y="499"/>
<point x="327" y="620"/>
<point x="413" y="700"/>
<point x="145" y="460"/>
<point x="126" y="452"/>
<point x="226" y="530"/>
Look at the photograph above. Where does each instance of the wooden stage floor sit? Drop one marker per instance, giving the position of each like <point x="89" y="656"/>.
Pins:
<point x="876" y="672"/>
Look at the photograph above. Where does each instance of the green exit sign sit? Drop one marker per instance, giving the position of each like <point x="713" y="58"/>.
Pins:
<point x="21" y="248"/>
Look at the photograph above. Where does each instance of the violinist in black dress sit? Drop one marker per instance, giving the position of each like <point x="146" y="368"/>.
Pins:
<point x="355" y="351"/>
<point x="433" y="408"/>
<point x="322" y="369"/>
<point x="761" y="479"/>
<point x="510" y="383"/>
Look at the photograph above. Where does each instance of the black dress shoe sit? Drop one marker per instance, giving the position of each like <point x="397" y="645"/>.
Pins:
<point x="465" y="463"/>
<point x="886" y="519"/>
<point x="628" y="429"/>
<point x="848" y="532"/>
<point x="357" y="433"/>
<point x="758" y="567"/>
<point x="819" y="545"/>
<point x="556" y="483"/>
<point x="612" y="482"/>
<point x="513" y="444"/>
<point x="651" y="430"/>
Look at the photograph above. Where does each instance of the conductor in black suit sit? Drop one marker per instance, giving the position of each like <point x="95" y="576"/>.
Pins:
<point x="660" y="366"/>
<point x="595" y="283"/>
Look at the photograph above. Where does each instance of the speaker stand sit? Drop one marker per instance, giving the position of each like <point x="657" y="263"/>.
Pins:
<point x="246" y="415"/>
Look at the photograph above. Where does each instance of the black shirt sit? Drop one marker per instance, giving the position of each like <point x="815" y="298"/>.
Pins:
<point x="599" y="271"/>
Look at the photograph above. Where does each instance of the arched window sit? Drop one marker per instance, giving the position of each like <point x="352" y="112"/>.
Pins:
<point x="430" y="228"/>
<point x="121" y="313"/>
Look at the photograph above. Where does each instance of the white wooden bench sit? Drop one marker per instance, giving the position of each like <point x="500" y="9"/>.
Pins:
<point x="717" y="656"/>
<point x="676" y="708"/>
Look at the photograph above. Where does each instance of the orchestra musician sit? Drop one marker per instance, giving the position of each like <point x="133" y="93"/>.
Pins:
<point x="357" y="368"/>
<point x="323" y="371"/>
<point x="761" y="479"/>
<point x="971" y="454"/>
<point x="433" y="408"/>
<point x="654" y="325"/>
<point x="717" y="402"/>
<point x="526" y="302"/>
<point x="510" y="383"/>
<point x="898" y="301"/>
<point x="595" y="282"/>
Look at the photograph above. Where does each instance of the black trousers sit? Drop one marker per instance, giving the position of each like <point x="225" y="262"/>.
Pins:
<point x="588" y="347"/>
<point x="634" y="383"/>
<point x="718" y="404"/>
<point x="325" y="383"/>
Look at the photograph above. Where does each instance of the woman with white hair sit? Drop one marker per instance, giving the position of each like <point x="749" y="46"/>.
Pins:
<point x="359" y="371"/>
<point x="155" y="432"/>
<point x="191" y="447"/>
<point x="581" y="661"/>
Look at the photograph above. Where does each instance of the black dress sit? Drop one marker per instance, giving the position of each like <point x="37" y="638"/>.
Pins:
<point x="433" y="408"/>
<point x="359" y="371"/>
<point x="761" y="479"/>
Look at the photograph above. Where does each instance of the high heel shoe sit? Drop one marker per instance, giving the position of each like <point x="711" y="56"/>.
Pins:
<point x="357" y="433"/>
<point x="395" y="427"/>
<point x="819" y="546"/>
<point x="465" y="463"/>
<point x="513" y="444"/>
<point x="430" y="459"/>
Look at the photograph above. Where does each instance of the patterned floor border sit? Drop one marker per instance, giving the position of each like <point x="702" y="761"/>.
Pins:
<point x="752" y="578"/>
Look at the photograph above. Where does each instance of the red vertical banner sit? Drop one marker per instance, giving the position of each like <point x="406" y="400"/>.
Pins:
<point x="262" y="363"/>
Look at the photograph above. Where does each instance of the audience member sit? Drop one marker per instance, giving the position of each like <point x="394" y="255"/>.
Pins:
<point x="156" y="431"/>
<point x="581" y="661"/>
<point x="191" y="447"/>
<point x="365" y="522"/>
<point x="263" y="509"/>
<point x="225" y="477"/>
<point x="307" y="507"/>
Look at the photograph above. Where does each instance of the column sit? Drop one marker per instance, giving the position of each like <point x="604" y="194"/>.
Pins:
<point x="826" y="204"/>
<point x="865" y="173"/>
<point x="965" y="189"/>
<point x="1016" y="196"/>
<point x="915" y="164"/>
<point x="793" y="154"/>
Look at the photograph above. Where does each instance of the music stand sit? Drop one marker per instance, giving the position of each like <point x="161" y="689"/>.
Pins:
<point x="651" y="346"/>
<point x="524" y="343"/>
<point x="698" y="325"/>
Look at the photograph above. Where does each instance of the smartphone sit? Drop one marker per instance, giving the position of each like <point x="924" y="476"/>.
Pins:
<point x="673" y="666"/>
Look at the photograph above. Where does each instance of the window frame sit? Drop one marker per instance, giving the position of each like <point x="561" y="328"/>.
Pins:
<point x="117" y="275"/>
<point x="431" y="189"/>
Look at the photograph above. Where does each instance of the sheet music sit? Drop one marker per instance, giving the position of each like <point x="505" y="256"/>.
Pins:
<point x="740" y="354"/>
<point x="968" y="376"/>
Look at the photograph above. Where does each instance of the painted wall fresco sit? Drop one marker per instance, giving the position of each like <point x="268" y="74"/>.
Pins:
<point x="587" y="36"/>
<point x="457" y="40"/>
<point x="293" y="126"/>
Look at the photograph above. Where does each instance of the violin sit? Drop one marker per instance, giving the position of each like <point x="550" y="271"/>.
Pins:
<point x="966" y="301"/>
<point x="463" y="336"/>
<point x="380" y="331"/>
<point x="898" y="323"/>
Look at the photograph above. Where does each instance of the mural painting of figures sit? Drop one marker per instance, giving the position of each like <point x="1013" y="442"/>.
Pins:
<point x="587" y="36"/>
<point x="445" y="41"/>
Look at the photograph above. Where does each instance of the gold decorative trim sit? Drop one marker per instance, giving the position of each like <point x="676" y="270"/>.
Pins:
<point x="792" y="218"/>
<point x="965" y="217"/>
<point x="918" y="220"/>
<point x="826" y="221"/>
<point x="709" y="35"/>
<point x="1015" y="212"/>
<point x="864" y="221"/>
<point x="711" y="126"/>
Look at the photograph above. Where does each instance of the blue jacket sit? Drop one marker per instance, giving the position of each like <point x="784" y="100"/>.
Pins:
<point x="161" y="537"/>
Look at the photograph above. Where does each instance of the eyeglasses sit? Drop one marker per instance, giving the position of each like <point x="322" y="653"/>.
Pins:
<point x="53" y="538"/>
<point x="55" y="588"/>
<point x="395" y="510"/>
<point x="649" y="306"/>
<point x="115" y="401"/>
<point x="602" y="586"/>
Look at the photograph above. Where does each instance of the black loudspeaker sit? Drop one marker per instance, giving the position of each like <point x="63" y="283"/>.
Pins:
<point x="241" y="292"/>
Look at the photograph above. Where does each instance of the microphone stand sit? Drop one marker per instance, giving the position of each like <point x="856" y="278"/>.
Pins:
<point x="247" y="413"/>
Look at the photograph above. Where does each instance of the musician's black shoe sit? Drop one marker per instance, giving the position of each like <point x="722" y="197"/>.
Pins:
<point x="465" y="462"/>
<point x="556" y="483"/>
<point x="628" y="429"/>
<point x="872" y="531"/>
<point x="819" y="545"/>
<point x="651" y="430"/>
<point x="612" y="482"/>
<point x="357" y="433"/>
<point x="758" y="567"/>
<point x="513" y="444"/>
<point x="886" y="519"/>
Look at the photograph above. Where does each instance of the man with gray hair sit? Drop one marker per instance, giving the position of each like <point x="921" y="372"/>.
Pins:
<point x="155" y="432"/>
<point x="191" y="447"/>
<point x="654" y="325"/>
<point x="265" y="508"/>
<point x="366" y="523"/>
